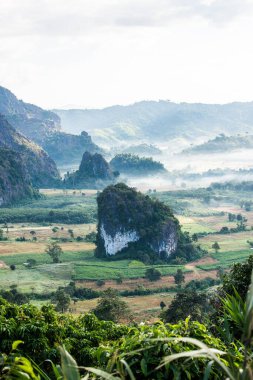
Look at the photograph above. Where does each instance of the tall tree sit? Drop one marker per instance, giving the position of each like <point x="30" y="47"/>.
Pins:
<point x="179" y="277"/>
<point x="54" y="251"/>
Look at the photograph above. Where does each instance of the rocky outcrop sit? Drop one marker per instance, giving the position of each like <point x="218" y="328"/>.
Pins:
<point x="127" y="218"/>
<point x="44" y="127"/>
<point x="65" y="148"/>
<point x="15" y="183"/>
<point x="94" y="171"/>
<point x="41" y="169"/>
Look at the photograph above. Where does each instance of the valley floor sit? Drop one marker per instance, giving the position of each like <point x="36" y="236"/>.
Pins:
<point x="78" y="262"/>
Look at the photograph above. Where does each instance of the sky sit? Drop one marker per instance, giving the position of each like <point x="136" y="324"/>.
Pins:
<point x="97" y="53"/>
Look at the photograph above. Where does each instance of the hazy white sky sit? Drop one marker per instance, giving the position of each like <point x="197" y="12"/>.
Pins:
<point x="95" y="53"/>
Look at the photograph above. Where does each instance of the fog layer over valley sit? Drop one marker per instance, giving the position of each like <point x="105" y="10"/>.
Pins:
<point x="197" y="143"/>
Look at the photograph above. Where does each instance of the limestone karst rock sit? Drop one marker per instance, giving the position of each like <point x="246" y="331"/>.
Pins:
<point x="128" y="217"/>
<point x="93" y="171"/>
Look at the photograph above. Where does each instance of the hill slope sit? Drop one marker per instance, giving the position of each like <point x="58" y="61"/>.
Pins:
<point x="223" y="143"/>
<point x="134" y="165"/>
<point x="151" y="121"/>
<point x="14" y="179"/>
<point x="94" y="171"/>
<point x="44" y="127"/>
<point x="41" y="169"/>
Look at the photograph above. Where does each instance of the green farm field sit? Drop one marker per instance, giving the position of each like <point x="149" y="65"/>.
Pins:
<point x="78" y="262"/>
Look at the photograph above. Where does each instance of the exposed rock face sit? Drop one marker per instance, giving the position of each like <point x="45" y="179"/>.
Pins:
<point x="14" y="180"/>
<point x="41" y="169"/>
<point x="93" y="170"/>
<point x="126" y="216"/>
<point x="114" y="244"/>
<point x="44" y="127"/>
<point x="66" y="148"/>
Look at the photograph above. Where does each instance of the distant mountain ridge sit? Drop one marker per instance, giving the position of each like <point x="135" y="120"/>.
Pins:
<point x="152" y="121"/>
<point x="44" y="127"/>
<point x="223" y="143"/>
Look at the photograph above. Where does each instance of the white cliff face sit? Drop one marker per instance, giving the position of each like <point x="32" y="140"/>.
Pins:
<point x="167" y="242"/>
<point x="169" y="246"/>
<point x="114" y="244"/>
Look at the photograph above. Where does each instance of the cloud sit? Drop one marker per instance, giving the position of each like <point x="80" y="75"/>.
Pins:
<point x="81" y="17"/>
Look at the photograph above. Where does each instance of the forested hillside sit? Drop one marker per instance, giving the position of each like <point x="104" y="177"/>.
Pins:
<point x="150" y="121"/>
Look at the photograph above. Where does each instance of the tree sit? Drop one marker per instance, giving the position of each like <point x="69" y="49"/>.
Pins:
<point x="231" y="217"/>
<point x="54" y="251"/>
<point x="220" y="273"/>
<point x="238" y="278"/>
<point x="71" y="232"/>
<point x="110" y="307"/>
<point x="153" y="274"/>
<point x="62" y="300"/>
<point x="31" y="263"/>
<point x="186" y="304"/>
<point x="7" y="227"/>
<point x="179" y="277"/>
<point x="195" y="238"/>
<point x="216" y="247"/>
<point x="119" y="279"/>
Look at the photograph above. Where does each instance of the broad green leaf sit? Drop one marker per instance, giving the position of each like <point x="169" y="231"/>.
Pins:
<point x="68" y="365"/>
<point x="16" y="344"/>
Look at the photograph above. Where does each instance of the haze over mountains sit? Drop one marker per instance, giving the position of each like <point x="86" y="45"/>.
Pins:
<point x="151" y="121"/>
<point x="146" y="129"/>
<point x="44" y="128"/>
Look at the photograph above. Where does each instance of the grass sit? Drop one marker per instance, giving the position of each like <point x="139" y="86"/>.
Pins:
<point x="14" y="248"/>
<point x="107" y="271"/>
<point x="229" y="242"/>
<point x="56" y="208"/>
<point x="78" y="261"/>
<point x="42" y="258"/>
<point x="142" y="307"/>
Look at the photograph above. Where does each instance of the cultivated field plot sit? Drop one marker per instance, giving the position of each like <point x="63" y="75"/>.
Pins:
<point x="143" y="308"/>
<point x="77" y="212"/>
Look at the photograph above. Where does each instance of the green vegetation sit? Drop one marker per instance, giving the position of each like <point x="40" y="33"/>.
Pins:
<point x="223" y="143"/>
<point x="153" y="274"/>
<point x="179" y="278"/>
<point x="94" y="172"/>
<point x="15" y="183"/>
<point x="65" y="208"/>
<point x="111" y="308"/>
<point x="54" y="251"/>
<point x="111" y="270"/>
<point x="134" y="165"/>
<point x="121" y="208"/>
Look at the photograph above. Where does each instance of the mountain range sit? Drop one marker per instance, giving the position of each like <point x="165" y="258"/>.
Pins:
<point x="44" y="128"/>
<point x="158" y="121"/>
<point x="223" y="143"/>
<point x="39" y="167"/>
